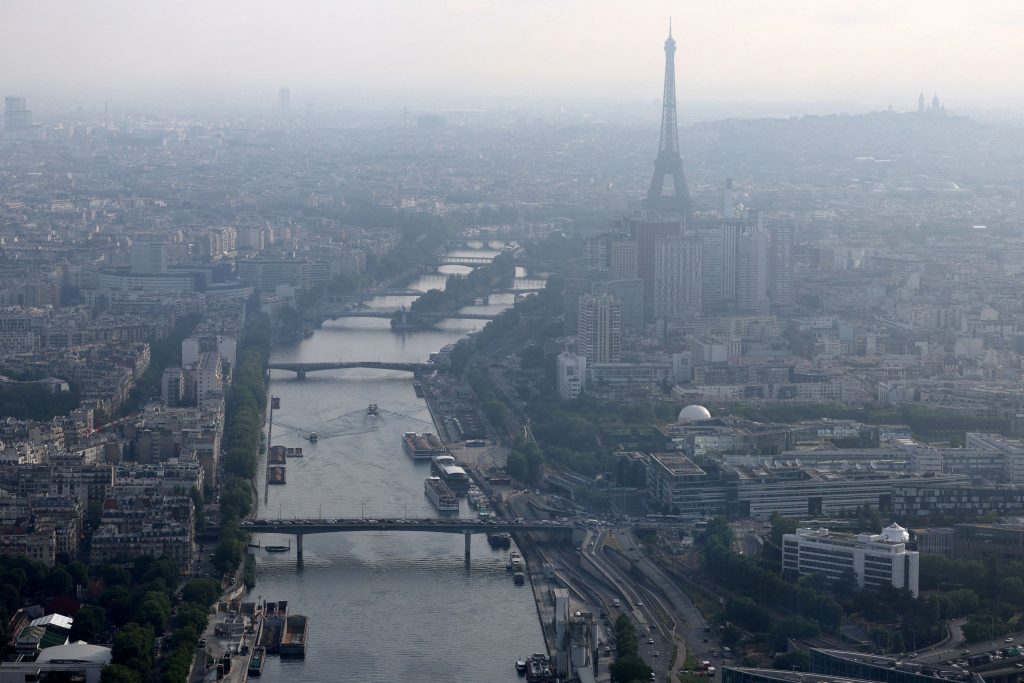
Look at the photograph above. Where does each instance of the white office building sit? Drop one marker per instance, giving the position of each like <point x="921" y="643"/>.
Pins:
<point x="874" y="559"/>
<point x="599" y="333"/>
<point x="572" y="375"/>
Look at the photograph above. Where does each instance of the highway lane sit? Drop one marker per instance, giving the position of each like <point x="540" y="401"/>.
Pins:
<point x="693" y="630"/>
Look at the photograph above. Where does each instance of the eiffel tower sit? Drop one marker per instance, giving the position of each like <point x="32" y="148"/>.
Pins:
<point x="668" y="162"/>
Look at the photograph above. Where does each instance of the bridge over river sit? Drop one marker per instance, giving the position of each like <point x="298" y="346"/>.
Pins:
<point x="431" y="316"/>
<point x="466" y="527"/>
<point x="300" y="369"/>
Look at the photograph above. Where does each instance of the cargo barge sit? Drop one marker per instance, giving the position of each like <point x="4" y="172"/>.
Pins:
<point x="276" y="474"/>
<point x="274" y="616"/>
<point x="279" y="454"/>
<point x="422" y="446"/>
<point x="296" y="634"/>
<point x="440" y="495"/>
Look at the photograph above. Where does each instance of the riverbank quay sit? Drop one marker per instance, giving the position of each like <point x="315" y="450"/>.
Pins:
<point x="229" y="641"/>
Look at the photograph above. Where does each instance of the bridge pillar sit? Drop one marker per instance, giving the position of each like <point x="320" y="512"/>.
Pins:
<point x="300" y="374"/>
<point x="298" y="548"/>
<point x="469" y="543"/>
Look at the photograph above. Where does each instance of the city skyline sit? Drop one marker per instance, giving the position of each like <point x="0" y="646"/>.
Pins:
<point x="458" y="51"/>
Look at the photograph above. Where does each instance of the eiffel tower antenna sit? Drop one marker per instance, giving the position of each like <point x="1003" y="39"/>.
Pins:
<point x="669" y="162"/>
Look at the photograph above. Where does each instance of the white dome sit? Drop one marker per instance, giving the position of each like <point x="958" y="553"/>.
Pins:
<point x="693" y="414"/>
<point x="894" y="533"/>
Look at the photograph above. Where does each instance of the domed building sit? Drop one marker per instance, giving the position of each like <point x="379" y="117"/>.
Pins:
<point x="894" y="533"/>
<point x="693" y="413"/>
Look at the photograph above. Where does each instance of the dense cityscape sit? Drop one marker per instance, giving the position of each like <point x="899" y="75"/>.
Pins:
<point x="489" y="394"/>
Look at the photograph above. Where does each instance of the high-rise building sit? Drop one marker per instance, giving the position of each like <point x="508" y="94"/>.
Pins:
<point x="668" y="163"/>
<point x="149" y="258"/>
<point x="284" y="101"/>
<point x="572" y="289"/>
<point x="718" y="267"/>
<point x="599" y="334"/>
<point x="622" y="259"/>
<point x="752" y="270"/>
<point x="629" y="294"/>
<point x="595" y="253"/>
<point x="728" y="202"/>
<point x="781" y="285"/>
<point x="677" y="279"/>
<point x="646" y="230"/>
<point x="16" y="114"/>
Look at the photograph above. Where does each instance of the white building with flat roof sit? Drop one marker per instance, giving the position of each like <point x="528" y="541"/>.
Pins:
<point x="874" y="559"/>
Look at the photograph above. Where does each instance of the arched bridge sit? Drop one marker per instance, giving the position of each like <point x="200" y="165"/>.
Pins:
<point x="300" y="369"/>
<point x="467" y="527"/>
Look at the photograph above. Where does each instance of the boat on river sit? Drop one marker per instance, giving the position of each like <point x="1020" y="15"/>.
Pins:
<point x="539" y="669"/>
<point x="440" y="495"/>
<point x="256" y="662"/>
<point x="313" y="437"/>
<point x="422" y="446"/>
<point x="276" y="474"/>
<point x="372" y="409"/>
<point x="454" y="476"/>
<point x="296" y="633"/>
<point x="278" y="548"/>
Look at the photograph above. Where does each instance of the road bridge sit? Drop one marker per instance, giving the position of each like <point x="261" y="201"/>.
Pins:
<point x="448" y="260"/>
<point x="467" y="527"/>
<point x="377" y="313"/>
<point x="300" y="369"/>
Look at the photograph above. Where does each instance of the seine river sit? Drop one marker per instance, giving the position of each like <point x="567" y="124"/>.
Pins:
<point x="383" y="607"/>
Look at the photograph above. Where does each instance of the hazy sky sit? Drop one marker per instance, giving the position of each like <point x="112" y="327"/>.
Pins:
<point x="871" y="51"/>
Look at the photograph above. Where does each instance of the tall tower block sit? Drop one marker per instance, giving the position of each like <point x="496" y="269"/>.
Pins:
<point x="668" y="163"/>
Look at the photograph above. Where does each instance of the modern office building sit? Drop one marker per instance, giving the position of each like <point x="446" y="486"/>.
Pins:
<point x="622" y="259"/>
<point x="647" y="230"/>
<point x="677" y="279"/>
<point x="752" y="270"/>
<point x="149" y="258"/>
<point x="780" y="286"/>
<point x="866" y="667"/>
<point x="874" y="560"/>
<point x="718" y="263"/>
<point x="599" y="334"/>
<point x="17" y="117"/>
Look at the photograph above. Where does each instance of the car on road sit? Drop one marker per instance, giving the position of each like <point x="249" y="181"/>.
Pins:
<point x="1009" y="640"/>
<point x="657" y="654"/>
<point x="650" y="641"/>
<point x="639" y="603"/>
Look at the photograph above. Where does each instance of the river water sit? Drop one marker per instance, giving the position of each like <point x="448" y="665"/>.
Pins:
<point x="384" y="607"/>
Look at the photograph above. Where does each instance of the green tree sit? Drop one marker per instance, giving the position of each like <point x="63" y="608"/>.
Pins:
<point x="629" y="668"/>
<point x="59" y="581"/>
<point x="119" y="673"/>
<point x="154" y="611"/>
<point x="88" y="624"/>
<point x="133" y="647"/>
<point x="201" y="592"/>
